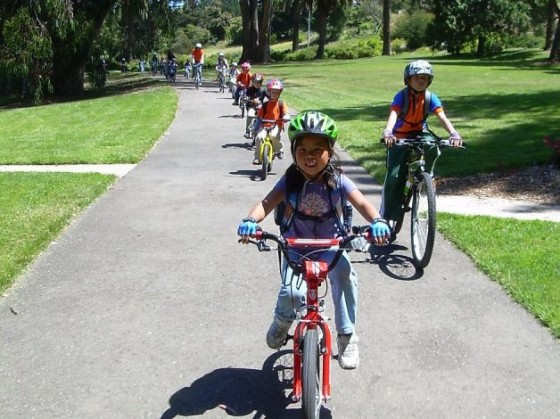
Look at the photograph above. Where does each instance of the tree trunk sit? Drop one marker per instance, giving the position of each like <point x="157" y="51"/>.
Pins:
<point x="296" y="17"/>
<point x="386" y="27"/>
<point x="263" y="51"/>
<point x="550" y="17"/>
<point x="250" y="22"/>
<point x="322" y="17"/>
<point x="554" y="49"/>
<point x="71" y="52"/>
<point x="481" y="48"/>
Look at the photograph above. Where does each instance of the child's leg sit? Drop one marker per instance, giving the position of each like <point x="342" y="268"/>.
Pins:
<point x="276" y="140"/>
<point x="251" y="112"/>
<point x="344" y="283"/>
<point x="291" y="296"/>
<point x="394" y="183"/>
<point x="258" y="140"/>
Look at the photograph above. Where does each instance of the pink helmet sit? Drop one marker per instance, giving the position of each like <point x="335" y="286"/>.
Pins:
<point x="274" y="84"/>
<point x="245" y="66"/>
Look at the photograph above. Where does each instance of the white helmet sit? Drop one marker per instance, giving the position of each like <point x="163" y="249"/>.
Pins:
<point x="418" y="67"/>
<point x="198" y="45"/>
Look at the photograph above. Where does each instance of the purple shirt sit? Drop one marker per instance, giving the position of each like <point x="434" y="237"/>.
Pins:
<point x="314" y="205"/>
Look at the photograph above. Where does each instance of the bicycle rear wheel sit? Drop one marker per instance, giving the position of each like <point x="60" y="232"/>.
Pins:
<point x="423" y="220"/>
<point x="265" y="161"/>
<point x="311" y="379"/>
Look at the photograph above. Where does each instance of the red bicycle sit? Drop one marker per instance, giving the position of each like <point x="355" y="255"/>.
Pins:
<point x="312" y="347"/>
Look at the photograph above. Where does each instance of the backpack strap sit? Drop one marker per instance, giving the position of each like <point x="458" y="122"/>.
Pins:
<point x="406" y="103"/>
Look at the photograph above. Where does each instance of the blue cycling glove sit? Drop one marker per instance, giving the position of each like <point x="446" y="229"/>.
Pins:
<point x="380" y="228"/>
<point x="248" y="227"/>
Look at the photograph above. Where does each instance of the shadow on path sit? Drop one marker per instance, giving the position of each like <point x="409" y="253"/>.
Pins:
<point x="241" y="392"/>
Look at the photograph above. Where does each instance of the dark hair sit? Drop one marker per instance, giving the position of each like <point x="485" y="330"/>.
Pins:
<point x="295" y="179"/>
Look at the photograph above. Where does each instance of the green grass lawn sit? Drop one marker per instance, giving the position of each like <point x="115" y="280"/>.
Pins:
<point x="118" y="128"/>
<point x="523" y="256"/>
<point x="35" y="208"/>
<point x="120" y="125"/>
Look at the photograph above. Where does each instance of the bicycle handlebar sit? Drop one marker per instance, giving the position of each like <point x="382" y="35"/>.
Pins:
<point x="404" y="142"/>
<point x="338" y="244"/>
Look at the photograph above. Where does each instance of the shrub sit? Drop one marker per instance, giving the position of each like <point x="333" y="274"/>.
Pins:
<point x="412" y="27"/>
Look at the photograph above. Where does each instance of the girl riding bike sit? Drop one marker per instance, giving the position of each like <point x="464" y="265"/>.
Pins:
<point x="312" y="190"/>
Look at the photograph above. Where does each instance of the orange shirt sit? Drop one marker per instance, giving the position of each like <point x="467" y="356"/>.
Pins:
<point x="244" y="78"/>
<point x="272" y="110"/>
<point x="197" y="54"/>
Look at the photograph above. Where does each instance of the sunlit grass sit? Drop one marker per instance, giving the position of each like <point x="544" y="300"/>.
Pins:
<point x="523" y="256"/>
<point x="35" y="208"/>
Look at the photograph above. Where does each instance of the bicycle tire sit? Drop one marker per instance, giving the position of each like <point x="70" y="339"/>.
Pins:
<point x="423" y="220"/>
<point x="242" y="106"/>
<point x="265" y="162"/>
<point x="311" y="379"/>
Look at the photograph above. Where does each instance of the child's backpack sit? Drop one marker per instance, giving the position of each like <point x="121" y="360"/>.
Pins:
<point x="343" y="207"/>
<point x="406" y="104"/>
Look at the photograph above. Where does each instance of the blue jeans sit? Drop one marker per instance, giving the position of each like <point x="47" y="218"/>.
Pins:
<point x="344" y="290"/>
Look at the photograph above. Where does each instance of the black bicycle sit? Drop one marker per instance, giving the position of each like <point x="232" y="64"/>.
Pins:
<point x="419" y="195"/>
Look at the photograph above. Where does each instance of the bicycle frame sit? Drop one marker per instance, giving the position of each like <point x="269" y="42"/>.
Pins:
<point x="314" y="273"/>
<point x="267" y="141"/>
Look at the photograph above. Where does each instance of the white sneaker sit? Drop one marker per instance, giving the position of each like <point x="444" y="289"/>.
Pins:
<point x="348" y="354"/>
<point x="277" y="333"/>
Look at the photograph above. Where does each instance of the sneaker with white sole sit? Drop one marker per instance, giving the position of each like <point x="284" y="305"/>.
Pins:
<point x="348" y="354"/>
<point x="277" y="333"/>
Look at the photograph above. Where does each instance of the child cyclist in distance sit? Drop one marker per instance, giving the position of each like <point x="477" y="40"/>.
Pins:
<point x="319" y="187"/>
<point x="256" y="95"/>
<point x="272" y="110"/>
<point x="243" y="81"/>
<point x="418" y="75"/>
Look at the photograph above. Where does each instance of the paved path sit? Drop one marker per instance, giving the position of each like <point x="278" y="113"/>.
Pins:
<point x="146" y="307"/>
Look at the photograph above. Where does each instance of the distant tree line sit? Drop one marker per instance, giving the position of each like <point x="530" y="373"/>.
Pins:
<point x="48" y="46"/>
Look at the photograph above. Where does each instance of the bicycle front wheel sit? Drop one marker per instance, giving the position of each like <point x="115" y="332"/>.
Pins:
<point x="311" y="379"/>
<point x="423" y="220"/>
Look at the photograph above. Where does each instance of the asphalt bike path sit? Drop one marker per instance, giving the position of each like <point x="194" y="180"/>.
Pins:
<point x="146" y="307"/>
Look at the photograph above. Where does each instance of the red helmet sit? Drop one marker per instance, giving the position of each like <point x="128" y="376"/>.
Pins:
<point x="275" y="84"/>
<point x="258" y="78"/>
<point x="245" y="66"/>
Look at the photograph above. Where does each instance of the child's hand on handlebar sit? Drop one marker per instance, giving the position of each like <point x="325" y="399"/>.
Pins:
<point x="380" y="231"/>
<point x="455" y="139"/>
<point x="389" y="137"/>
<point x="247" y="228"/>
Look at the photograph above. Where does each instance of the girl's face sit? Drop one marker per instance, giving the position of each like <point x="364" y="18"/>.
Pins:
<point x="274" y="93"/>
<point x="312" y="154"/>
<point x="419" y="82"/>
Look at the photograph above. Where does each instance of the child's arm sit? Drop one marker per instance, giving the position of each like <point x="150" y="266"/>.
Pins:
<point x="261" y="209"/>
<point x="380" y="228"/>
<point x="454" y="136"/>
<point x="364" y="207"/>
<point x="388" y="135"/>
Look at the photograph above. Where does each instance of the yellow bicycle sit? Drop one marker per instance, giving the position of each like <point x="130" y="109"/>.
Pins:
<point x="266" y="150"/>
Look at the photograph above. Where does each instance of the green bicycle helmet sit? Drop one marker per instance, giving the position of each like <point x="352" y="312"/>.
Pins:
<point x="314" y="123"/>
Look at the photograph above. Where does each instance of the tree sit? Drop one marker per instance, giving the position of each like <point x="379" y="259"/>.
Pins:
<point x="481" y="21"/>
<point x="250" y="22"/>
<point x="555" y="47"/>
<point x="386" y="27"/>
<point x="324" y="8"/>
